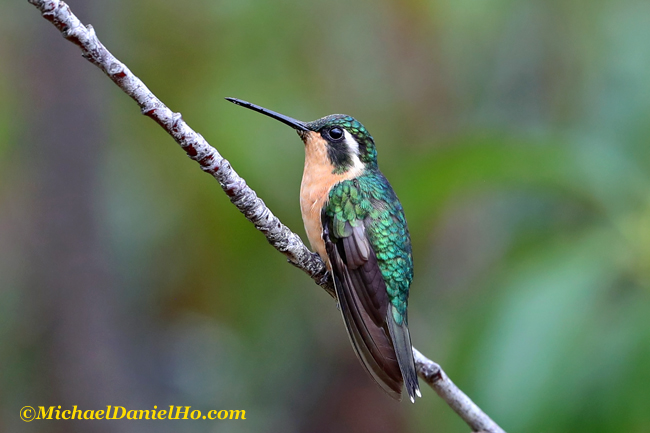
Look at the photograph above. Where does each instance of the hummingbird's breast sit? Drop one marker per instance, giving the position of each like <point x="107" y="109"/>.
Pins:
<point x="318" y="178"/>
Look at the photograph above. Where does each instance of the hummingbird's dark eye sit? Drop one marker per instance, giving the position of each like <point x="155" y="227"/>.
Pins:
<point x="336" y="133"/>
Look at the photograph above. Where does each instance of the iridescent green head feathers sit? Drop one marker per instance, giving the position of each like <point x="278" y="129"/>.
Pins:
<point x="348" y="142"/>
<point x="346" y="139"/>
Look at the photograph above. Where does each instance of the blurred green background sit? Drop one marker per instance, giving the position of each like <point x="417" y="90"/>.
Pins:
<point x="515" y="133"/>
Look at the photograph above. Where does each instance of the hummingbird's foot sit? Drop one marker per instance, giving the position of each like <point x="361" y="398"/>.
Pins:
<point x="315" y="267"/>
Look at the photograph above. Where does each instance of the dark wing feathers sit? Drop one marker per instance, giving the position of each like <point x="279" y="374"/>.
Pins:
<point x="362" y="296"/>
<point x="364" y="338"/>
<point x="356" y="247"/>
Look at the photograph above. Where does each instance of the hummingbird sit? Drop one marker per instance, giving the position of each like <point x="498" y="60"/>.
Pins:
<point x="356" y="223"/>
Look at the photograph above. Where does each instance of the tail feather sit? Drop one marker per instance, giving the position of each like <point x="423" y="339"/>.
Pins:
<point x="404" y="351"/>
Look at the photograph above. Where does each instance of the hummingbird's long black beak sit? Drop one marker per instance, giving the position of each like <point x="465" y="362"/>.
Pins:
<point x="295" y="124"/>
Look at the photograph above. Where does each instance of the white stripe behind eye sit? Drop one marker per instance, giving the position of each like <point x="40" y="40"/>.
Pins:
<point x="353" y="146"/>
<point x="351" y="143"/>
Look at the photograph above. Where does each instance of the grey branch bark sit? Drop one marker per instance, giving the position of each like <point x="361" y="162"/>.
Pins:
<point x="240" y="194"/>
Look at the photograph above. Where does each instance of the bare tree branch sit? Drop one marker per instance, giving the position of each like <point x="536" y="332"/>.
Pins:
<point x="240" y="194"/>
<point x="433" y="374"/>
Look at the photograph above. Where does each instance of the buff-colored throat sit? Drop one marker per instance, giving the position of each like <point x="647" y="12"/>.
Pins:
<point x="318" y="178"/>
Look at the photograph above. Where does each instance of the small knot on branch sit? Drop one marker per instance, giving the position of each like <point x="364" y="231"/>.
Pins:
<point x="116" y="69"/>
<point x="90" y="35"/>
<point x="427" y="369"/>
<point x="148" y="110"/>
<point x="177" y="118"/>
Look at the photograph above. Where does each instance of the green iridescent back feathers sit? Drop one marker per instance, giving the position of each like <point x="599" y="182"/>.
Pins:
<point x="370" y="198"/>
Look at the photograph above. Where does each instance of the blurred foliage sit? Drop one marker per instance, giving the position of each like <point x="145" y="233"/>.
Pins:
<point x="515" y="133"/>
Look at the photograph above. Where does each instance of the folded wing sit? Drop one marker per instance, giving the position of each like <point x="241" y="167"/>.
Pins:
<point x="364" y="302"/>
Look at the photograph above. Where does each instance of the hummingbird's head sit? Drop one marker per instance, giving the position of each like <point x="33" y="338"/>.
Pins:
<point x="345" y="142"/>
<point x="349" y="144"/>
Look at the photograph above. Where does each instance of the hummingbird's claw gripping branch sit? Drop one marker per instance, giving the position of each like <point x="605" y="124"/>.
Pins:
<point x="316" y="269"/>
<point x="240" y="194"/>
